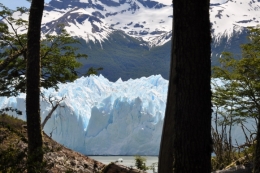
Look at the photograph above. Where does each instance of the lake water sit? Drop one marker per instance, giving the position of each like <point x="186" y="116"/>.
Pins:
<point x="127" y="160"/>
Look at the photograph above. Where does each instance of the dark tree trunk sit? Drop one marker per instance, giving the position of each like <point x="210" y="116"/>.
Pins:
<point x="257" y="150"/>
<point x="35" y="154"/>
<point x="186" y="143"/>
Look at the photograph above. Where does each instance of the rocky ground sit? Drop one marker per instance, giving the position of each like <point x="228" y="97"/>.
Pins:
<point x="58" y="159"/>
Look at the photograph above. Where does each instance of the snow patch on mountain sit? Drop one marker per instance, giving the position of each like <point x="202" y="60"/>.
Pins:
<point x="231" y="16"/>
<point x="141" y="19"/>
<point x="151" y="21"/>
<point x="218" y="2"/>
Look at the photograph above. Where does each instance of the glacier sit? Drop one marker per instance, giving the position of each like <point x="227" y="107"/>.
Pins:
<point x="99" y="117"/>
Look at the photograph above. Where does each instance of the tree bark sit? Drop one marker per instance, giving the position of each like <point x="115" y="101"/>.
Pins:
<point x="257" y="150"/>
<point x="186" y="143"/>
<point x="35" y="153"/>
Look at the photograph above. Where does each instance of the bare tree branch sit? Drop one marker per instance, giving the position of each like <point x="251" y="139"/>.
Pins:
<point x="55" y="104"/>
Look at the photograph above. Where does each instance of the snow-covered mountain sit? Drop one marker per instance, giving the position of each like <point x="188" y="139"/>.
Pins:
<point x="230" y="19"/>
<point x="131" y="38"/>
<point x="148" y="20"/>
<point x="231" y="16"/>
<point x="95" y="20"/>
<point x="99" y="117"/>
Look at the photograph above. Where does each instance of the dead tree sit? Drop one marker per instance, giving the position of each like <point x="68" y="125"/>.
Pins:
<point x="55" y="103"/>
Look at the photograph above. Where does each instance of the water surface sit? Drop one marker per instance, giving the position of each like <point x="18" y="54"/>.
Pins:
<point x="127" y="160"/>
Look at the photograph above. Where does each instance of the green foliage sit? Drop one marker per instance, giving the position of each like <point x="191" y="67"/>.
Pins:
<point x="6" y="109"/>
<point x="11" y="123"/>
<point x="236" y="97"/>
<point x="240" y="89"/>
<point x="13" y="153"/>
<point x="140" y="163"/>
<point x="12" y="160"/>
<point x="59" y="57"/>
<point x="241" y="157"/>
<point x="93" y="71"/>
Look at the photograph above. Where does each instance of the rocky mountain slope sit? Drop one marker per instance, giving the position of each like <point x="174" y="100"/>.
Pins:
<point x="57" y="158"/>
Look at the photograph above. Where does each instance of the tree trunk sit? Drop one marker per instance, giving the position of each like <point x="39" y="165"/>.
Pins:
<point x="257" y="150"/>
<point x="49" y="115"/>
<point x="186" y="143"/>
<point x="35" y="154"/>
<point x="166" y="150"/>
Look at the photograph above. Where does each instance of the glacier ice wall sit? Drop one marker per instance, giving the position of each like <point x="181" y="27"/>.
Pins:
<point x="99" y="117"/>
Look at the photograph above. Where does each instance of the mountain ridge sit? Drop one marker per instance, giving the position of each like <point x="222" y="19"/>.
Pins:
<point x="143" y="26"/>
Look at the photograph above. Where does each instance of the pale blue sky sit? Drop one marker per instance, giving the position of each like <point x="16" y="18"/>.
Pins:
<point x="12" y="4"/>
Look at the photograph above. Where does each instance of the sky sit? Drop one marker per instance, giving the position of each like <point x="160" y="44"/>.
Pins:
<point x="12" y="4"/>
<point x="19" y="3"/>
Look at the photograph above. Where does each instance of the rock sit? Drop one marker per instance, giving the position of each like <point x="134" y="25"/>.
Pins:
<point x="113" y="167"/>
<point x="237" y="169"/>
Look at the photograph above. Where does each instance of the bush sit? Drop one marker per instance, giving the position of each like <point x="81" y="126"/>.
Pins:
<point x="140" y="163"/>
